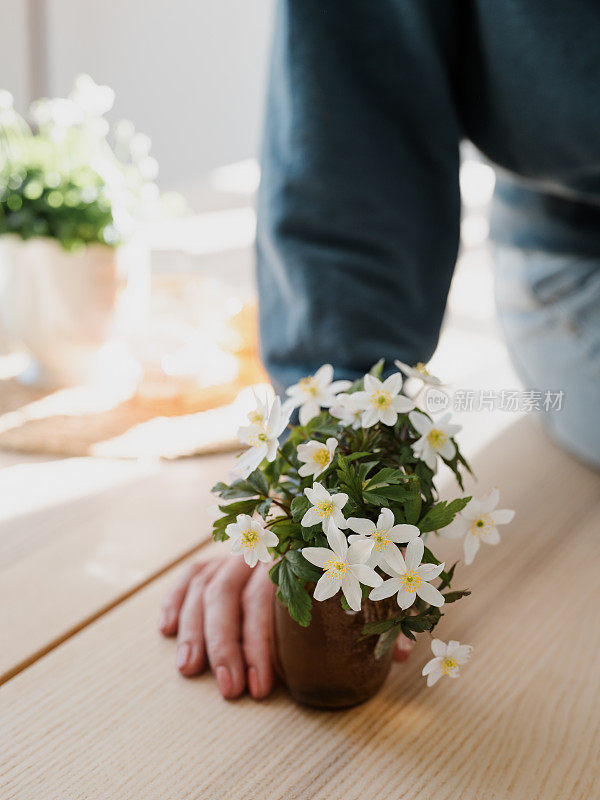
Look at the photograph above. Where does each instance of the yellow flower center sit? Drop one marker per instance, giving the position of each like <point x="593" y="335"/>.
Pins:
<point x="381" y="398"/>
<point x="437" y="438"/>
<point x="322" y="457"/>
<point x="448" y="664"/>
<point x="324" y="508"/>
<point x="422" y="369"/>
<point x="380" y="540"/>
<point x="411" y="580"/>
<point x="256" y="439"/>
<point x="309" y="385"/>
<point x="336" y="568"/>
<point x="482" y="526"/>
<point x="249" y="539"/>
<point x="256" y="418"/>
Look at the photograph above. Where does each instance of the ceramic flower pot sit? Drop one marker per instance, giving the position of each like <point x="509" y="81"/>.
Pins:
<point x="63" y="306"/>
<point x="330" y="664"/>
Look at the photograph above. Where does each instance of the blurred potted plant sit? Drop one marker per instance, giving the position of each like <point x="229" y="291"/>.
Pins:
<point x="72" y="192"/>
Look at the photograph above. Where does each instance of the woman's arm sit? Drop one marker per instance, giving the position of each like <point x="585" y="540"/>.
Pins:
<point x="358" y="213"/>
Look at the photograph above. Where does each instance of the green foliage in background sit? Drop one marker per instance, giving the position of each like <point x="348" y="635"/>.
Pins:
<point x="69" y="176"/>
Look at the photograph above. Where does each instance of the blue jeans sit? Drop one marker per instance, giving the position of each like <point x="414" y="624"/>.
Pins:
<point x="549" y="309"/>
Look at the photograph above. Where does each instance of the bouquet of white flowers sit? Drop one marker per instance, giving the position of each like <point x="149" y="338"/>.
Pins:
<point x="347" y="505"/>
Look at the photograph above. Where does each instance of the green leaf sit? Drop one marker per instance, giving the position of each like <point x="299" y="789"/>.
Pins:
<point x="381" y="625"/>
<point x="398" y="493"/>
<point x="377" y="369"/>
<point x="452" y="597"/>
<point x="447" y="577"/>
<point x="302" y="568"/>
<point x="274" y="572"/>
<point x="258" y="481"/>
<point x="264" y="507"/>
<point x="375" y="499"/>
<point x="219" y="526"/>
<point x="354" y="456"/>
<point x="350" y="482"/>
<point x="429" y="558"/>
<point x="316" y="422"/>
<point x="408" y="633"/>
<point x="385" y="641"/>
<point x="412" y="510"/>
<point x="293" y="594"/>
<point x="284" y="528"/>
<point x="241" y="507"/>
<point x="420" y="622"/>
<point x="238" y="488"/>
<point x="272" y="471"/>
<point x="442" y="514"/>
<point x="299" y="507"/>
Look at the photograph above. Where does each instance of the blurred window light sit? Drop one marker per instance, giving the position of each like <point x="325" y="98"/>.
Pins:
<point x="203" y="234"/>
<point x="477" y="182"/>
<point x="242" y="177"/>
<point x="474" y="230"/>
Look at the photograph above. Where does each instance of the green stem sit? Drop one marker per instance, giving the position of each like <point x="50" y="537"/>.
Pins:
<point x="285" y="458"/>
<point x="282" y="506"/>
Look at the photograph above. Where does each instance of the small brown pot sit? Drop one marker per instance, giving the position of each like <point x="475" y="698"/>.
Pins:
<point x="330" y="664"/>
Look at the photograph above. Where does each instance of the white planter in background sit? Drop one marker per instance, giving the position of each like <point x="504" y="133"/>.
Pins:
<point x="65" y="307"/>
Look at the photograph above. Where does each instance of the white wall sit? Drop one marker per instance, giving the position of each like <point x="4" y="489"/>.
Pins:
<point x="14" y="60"/>
<point x="190" y="73"/>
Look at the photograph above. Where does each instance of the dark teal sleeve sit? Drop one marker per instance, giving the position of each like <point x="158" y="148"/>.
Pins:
<point x="358" y="210"/>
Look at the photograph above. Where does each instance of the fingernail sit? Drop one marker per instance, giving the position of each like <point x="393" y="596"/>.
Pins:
<point x="164" y="619"/>
<point x="223" y="677"/>
<point x="253" y="682"/>
<point x="183" y="655"/>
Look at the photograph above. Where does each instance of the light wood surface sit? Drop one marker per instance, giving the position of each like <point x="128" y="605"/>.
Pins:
<point x="78" y="535"/>
<point x="105" y="715"/>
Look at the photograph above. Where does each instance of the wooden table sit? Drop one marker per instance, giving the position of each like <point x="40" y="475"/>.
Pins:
<point x="94" y="709"/>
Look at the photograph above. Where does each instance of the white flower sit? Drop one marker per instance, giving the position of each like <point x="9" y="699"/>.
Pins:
<point x="381" y="401"/>
<point x="316" y="456"/>
<point x="411" y="579"/>
<point x="57" y="111"/>
<point x="326" y="509"/>
<point x="477" y="523"/>
<point x="262" y="439"/>
<point x="92" y="98"/>
<point x="251" y="539"/>
<point x="344" y="567"/>
<point x="419" y="371"/>
<point x="260" y="414"/>
<point x="448" y="658"/>
<point x="6" y="99"/>
<point x="384" y="536"/>
<point x="348" y="409"/>
<point x="316" y="392"/>
<point x="435" y="438"/>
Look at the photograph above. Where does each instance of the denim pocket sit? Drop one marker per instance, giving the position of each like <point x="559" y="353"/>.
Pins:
<point x="568" y="289"/>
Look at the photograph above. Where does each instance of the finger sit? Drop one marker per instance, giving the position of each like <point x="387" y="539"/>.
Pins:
<point x="191" y="657"/>
<point x="222" y="612"/>
<point x="169" y="615"/>
<point x="403" y="648"/>
<point x="257" y="607"/>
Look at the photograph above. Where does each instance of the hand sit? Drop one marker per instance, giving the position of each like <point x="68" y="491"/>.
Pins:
<point x="221" y="611"/>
